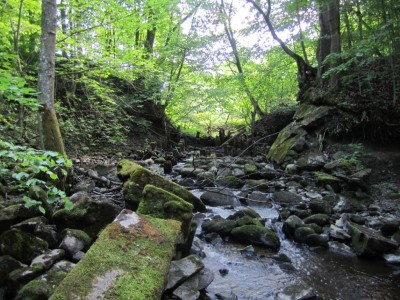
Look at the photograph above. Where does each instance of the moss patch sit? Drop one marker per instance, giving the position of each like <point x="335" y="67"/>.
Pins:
<point x="138" y="255"/>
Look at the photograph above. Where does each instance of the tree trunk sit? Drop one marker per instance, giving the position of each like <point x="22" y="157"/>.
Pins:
<point x="50" y="133"/>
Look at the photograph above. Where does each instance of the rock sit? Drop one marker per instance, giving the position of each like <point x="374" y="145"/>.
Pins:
<point x="140" y="177"/>
<point x="282" y="257"/>
<point x="319" y="219"/>
<point x="226" y="296"/>
<point x="301" y="233"/>
<point x="257" y="235"/>
<point x="317" y="240"/>
<point x="245" y="212"/>
<point x="167" y="167"/>
<point x="296" y="292"/>
<point x="251" y="170"/>
<point x="311" y="160"/>
<point x="248" y="251"/>
<point x="188" y="290"/>
<point x="246" y="220"/>
<point x="206" y="276"/>
<point x="30" y="224"/>
<point x="44" y="286"/>
<point x="291" y="169"/>
<point x="90" y="216"/>
<point x="290" y="225"/>
<point x="258" y="184"/>
<point x="219" y="225"/>
<point x="389" y="228"/>
<point x="7" y="265"/>
<point x="218" y="197"/>
<point x="341" y="248"/>
<point x="230" y="182"/>
<point x="161" y="204"/>
<point x="338" y="234"/>
<point x="49" y="258"/>
<point x="14" y="214"/>
<point x="324" y="178"/>
<point x="223" y="272"/>
<point x="77" y="256"/>
<point x="47" y="233"/>
<point x="74" y="240"/>
<point x="258" y="198"/>
<point x="21" y="245"/>
<point x="130" y="259"/>
<point x="213" y="238"/>
<point x="320" y="207"/>
<point x="182" y="269"/>
<point x="22" y="276"/>
<point x="283" y="197"/>
<point x="367" y="242"/>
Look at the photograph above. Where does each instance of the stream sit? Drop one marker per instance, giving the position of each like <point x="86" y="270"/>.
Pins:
<point x="313" y="272"/>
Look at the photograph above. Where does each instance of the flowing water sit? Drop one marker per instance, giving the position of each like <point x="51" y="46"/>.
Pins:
<point x="331" y="275"/>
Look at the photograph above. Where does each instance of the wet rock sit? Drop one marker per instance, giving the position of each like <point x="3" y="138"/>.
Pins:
<point x="7" y="265"/>
<point x="223" y="272"/>
<point x="256" y="184"/>
<point x="167" y="167"/>
<point x="74" y="240"/>
<point x="44" y="286"/>
<point x="291" y="169"/>
<point x="219" y="225"/>
<point x="301" y="233"/>
<point x="297" y="292"/>
<point x="47" y="233"/>
<point x="206" y="276"/>
<point x="312" y="160"/>
<point x="338" y="234"/>
<point x="319" y="219"/>
<point x="389" y="228"/>
<point x="245" y="212"/>
<point x="283" y="197"/>
<point x="317" y="240"/>
<point x="290" y="225"/>
<point x="49" y="258"/>
<point x="213" y="238"/>
<point x="392" y="258"/>
<point x="182" y="269"/>
<point x="258" y="198"/>
<point x="246" y="220"/>
<point x="21" y="245"/>
<point x="341" y="248"/>
<point x="257" y="235"/>
<point x="248" y="251"/>
<point x="22" y="276"/>
<point x="282" y="257"/>
<point x="320" y="207"/>
<point x="188" y="290"/>
<point x="226" y="296"/>
<point x="367" y="242"/>
<point x="218" y="197"/>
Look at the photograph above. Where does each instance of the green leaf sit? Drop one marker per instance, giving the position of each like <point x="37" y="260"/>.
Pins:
<point x="68" y="204"/>
<point x="41" y="209"/>
<point x="20" y="175"/>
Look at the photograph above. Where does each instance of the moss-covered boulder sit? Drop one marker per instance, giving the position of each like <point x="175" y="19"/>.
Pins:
<point x="230" y="181"/>
<point x="140" y="177"/>
<point x="301" y="233"/>
<point x="161" y="204"/>
<point x="15" y="213"/>
<point x="21" y="245"/>
<point x="319" y="219"/>
<point x="245" y="212"/>
<point x="90" y="215"/>
<point x="219" y="225"/>
<point x="129" y="260"/>
<point x="256" y="235"/>
<point x="7" y="265"/>
<point x="293" y="135"/>
<point x="367" y="242"/>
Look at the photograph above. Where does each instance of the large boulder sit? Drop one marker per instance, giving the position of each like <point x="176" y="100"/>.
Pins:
<point x="257" y="235"/>
<point x="129" y="260"/>
<point x="139" y="177"/>
<point x="218" y="197"/>
<point x="14" y="214"/>
<point x="219" y="225"/>
<point x="367" y="242"/>
<point x="21" y="245"/>
<point x="90" y="215"/>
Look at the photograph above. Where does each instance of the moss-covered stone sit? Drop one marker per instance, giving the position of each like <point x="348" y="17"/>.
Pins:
<point x="250" y="168"/>
<point x="325" y="178"/>
<point x="79" y="234"/>
<point x="89" y="215"/>
<point x="14" y="214"/>
<point x="301" y="233"/>
<point x="230" y="181"/>
<point x="140" y="177"/>
<point x="21" y="245"/>
<point x="161" y="204"/>
<point x="126" y="168"/>
<point x="129" y="260"/>
<point x="7" y="265"/>
<point x="257" y="235"/>
<point x="219" y="225"/>
<point x="246" y="220"/>
<point x="245" y="212"/>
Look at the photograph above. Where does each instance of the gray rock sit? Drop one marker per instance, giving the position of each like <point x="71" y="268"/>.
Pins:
<point x="49" y="258"/>
<point x="258" y="198"/>
<point x="245" y="212"/>
<point x="319" y="219"/>
<point x="320" y="207"/>
<point x="182" y="269"/>
<point x="301" y="233"/>
<point x="213" y="238"/>
<point x="319" y="240"/>
<point x="248" y="251"/>
<point x="47" y="233"/>
<point x="291" y="169"/>
<point x="74" y="241"/>
<point x="14" y="214"/>
<point x="257" y="235"/>
<point x="218" y="197"/>
<point x="290" y="225"/>
<point x="24" y="275"/>
<point x="392" y="258"/>
<point x="206" y="276"/>
<point x="77" y="256"/>
<point x="339" y="234"/>
<point x="188" y="290"/>
<point x="29" y="225"/>
<point x="226" y="296"/>
<point x="283" y="197"/>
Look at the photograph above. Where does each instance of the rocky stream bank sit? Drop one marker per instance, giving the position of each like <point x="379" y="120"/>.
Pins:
<point x="311" y="220"/>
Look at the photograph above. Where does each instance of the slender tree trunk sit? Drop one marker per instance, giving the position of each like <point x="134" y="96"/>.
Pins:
<point x="48" y="124"/>
<point x="232" y="42"/>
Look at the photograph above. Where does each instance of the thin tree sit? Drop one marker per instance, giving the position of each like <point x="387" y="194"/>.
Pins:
<point x="49" y="131"/>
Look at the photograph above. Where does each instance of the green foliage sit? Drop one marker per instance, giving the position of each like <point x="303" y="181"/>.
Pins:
<point x="27" y="167"/>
